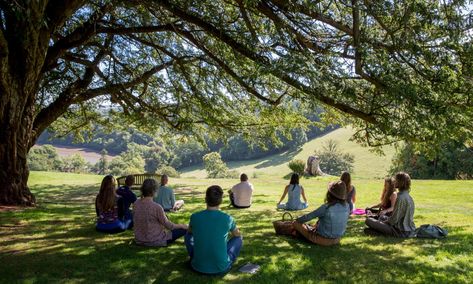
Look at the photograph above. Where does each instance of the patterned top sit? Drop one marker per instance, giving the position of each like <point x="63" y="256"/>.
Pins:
<point x="106" y="217"/>
<point x="403" y="214"/>
<point x="151" y="226"/>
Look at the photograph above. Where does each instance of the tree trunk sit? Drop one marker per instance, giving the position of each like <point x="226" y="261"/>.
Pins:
<point x="16" y="138"/>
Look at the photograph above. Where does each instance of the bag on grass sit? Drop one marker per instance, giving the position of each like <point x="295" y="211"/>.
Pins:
<point x="284" y="226"/>
<point x="431" y="232"/>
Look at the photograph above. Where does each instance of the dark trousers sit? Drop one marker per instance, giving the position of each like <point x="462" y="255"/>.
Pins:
<point x="385" y="228"/>
<point x="233" y="248"/>
<point x="176" y="234"/>
<point x="232" y="201"/>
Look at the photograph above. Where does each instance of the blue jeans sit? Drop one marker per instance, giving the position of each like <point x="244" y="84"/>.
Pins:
<point x="176" y="234"/>
<point x="115" y="227"/>
<point x="233" y="248"/>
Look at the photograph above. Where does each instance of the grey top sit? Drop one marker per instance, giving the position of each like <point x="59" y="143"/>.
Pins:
<point x="165" y="197"/>
<point x="403" y="214"/>
<point x="294" y="198"/>
<point x="332" y="219"/>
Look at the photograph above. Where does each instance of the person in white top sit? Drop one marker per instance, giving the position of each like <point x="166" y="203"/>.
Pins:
<point x="240" y="194"/>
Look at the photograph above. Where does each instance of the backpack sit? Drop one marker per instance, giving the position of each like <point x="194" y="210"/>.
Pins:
<point x="431" y="232"/>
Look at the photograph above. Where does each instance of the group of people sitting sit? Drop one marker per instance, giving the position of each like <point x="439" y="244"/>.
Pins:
<point x="212" y="239"/>
<point x="393" y="215"/>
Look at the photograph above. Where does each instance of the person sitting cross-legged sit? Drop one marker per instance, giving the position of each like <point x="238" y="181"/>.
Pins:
<point x="127" y="197"/>
<point x="213" y="240"/>
<point x="106" y="207"/>
<point x="401" y="222"/>
<point x="240" y="194"/>
<point x="294" y="191"/>
<point x="166" y="198"/>
<point x="333" y="218"/>
<point x="152" y="227"/>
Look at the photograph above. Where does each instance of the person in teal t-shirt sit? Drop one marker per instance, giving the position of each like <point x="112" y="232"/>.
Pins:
<point x="165" y="196"/>
<point x="213" y="240"/>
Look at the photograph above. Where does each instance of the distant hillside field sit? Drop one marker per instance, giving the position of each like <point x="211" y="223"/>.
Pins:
<point x="89" y="155"/>
<point x="367" y="164"/>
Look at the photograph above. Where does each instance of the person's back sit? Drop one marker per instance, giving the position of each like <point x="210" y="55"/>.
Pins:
<point x="213" y="241"/>
<point x="241" y="193"/>
<point x="165" y="197"/>
<point x="211" y="229"/>
<point x="294" y="192"/>
<point x="294" y="197"/>
<point x="334" y="223"/>
<point x="152" y="227"/>
<point x="333" y="218"/>
<point x="127" y="197"/>
<point x="403" y="213"/>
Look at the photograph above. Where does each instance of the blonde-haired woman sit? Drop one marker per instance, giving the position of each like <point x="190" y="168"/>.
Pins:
<point x="107" y="209"/>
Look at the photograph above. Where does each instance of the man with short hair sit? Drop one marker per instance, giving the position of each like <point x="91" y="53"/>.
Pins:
<point x="241" y="193"/>
<point x="166" y="198"/>
<point x="208" y="231"/>
<point x="126" y="198"/>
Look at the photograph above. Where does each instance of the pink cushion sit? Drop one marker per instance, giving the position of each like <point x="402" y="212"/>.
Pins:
<point x="359" y="211"/>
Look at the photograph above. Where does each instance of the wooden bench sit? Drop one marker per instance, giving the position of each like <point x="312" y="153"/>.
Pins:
<point x="139" y="179"/>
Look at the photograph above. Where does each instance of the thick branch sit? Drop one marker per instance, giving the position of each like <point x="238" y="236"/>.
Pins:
<point x="263" y="61"/>
<point x="77" y="37"/>
<point x="58" y="11"/>
<point x="227" y="69"/>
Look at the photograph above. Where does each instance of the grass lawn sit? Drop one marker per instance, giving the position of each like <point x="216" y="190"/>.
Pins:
<point x="56" y="241"/>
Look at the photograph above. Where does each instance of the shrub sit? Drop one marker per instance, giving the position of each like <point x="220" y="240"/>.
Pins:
<point x="169" y="171"/>
<point x="297" y="166"/>
<point x="332" y="160"/>
<point x="44" y="158"/>
<point x="215" y="167"/>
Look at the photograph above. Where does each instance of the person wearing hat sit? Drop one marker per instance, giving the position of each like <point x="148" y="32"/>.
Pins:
<point x="333" y="218"/>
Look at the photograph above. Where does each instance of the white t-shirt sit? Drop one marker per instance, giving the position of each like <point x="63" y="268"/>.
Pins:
<point x="242" y="193"/>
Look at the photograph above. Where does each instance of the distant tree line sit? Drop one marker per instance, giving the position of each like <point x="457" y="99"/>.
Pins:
<point x="452" y="160"/>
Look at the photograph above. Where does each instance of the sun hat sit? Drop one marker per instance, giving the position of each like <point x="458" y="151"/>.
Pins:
<point x="338" y="189"/>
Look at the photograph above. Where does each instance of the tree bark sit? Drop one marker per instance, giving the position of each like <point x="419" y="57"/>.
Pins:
<point x="15" y="142"/>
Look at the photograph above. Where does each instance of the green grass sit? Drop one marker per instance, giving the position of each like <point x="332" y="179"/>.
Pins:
<point x="367" y="164"/>
<point x="56" y="241"/>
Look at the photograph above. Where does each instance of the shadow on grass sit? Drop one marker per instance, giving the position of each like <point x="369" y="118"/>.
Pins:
<point x="279" y="159"/>
<point x="56" y="242"/>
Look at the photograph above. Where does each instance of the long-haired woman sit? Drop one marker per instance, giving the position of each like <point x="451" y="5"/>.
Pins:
<point x="294" y="191"/>
<point x="107" y="209"/>
<point x="351" y="192"/>
<point x="387" y="201"/>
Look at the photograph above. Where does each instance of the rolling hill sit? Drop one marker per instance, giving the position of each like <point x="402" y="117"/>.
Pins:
<point x="367" y="164"/>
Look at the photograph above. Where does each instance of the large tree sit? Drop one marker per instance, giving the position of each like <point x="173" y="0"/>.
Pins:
<point x="392" y="69"/>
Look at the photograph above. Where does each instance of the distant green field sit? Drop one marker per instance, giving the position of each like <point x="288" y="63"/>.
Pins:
<point x="56" y="241"/>
<point x="367" y="164"/>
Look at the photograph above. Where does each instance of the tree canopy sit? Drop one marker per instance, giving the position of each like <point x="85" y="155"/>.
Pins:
<point x="393" y="69"/>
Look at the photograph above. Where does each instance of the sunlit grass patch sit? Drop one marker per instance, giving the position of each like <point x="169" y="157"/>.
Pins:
<point x="56" y="241"/>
